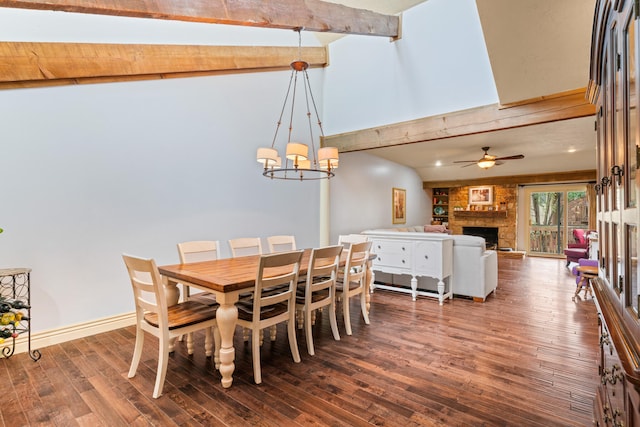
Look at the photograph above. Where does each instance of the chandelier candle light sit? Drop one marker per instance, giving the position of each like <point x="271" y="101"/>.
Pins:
<point x="298" y="164"/>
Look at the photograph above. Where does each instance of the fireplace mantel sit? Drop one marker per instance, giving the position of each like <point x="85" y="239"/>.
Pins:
<point x="504" y="219"/>
<point x="480" y="214"/>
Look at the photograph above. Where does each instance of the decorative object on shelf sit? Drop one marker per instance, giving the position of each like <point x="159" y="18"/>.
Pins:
<point x="8" y="304"/>
<point x="298" y="164"/>
<point x="399" y="205"/>
<point x="15" y="309"/>
<point x="440" y="207"/>
<point x="481" y="195"/>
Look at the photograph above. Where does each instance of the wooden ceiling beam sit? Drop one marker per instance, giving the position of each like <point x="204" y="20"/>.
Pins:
<point x="36" y="64"/>
<point x="540" y="178"/>
<point x="569" y="105"/>
<point x="311" y="15"/>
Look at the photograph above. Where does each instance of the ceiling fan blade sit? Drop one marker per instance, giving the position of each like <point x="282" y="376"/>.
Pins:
<point x="470" y="164"/>
<point x="516" y="157"/>
<point x="465" y="161"/>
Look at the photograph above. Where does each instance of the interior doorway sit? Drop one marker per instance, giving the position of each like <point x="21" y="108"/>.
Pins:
<point x="554" y="211"/>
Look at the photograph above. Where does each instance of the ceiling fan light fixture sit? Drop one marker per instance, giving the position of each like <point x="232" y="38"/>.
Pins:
<point x="486" y="163"/>
<point x="488" y="160"/>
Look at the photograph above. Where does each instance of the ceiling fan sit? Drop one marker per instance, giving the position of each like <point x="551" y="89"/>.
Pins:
<point x="487" y="161"/>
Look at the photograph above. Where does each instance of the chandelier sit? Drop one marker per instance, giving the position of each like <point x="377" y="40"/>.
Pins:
<point x="299" y="164"/>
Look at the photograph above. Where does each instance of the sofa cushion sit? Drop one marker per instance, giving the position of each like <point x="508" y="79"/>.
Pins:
<point x="579" y="235"/>
<point x="576" y="253"/>
<point x="465" y="240"/>
<point x="434" y="229"/>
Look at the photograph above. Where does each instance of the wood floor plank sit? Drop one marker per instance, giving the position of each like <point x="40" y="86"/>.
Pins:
<point x="11" y="411"/>
<point x="27" y="392"/>
<point x="527" y="356"/>
<point x="68" y="396"/>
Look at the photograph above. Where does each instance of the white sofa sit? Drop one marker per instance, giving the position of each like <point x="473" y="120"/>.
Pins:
<point x="475" y="269"/>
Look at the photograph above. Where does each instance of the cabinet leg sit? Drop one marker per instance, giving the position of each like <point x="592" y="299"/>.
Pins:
<point x="440" y="292"/>
<point x="414" y="288"/>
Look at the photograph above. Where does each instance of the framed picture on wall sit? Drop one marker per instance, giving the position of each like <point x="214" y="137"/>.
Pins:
<point x="481" y="195"/>
<point x="399" y="205"/>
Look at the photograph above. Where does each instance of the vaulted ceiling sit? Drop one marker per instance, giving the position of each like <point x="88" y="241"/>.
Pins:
<point x="537" y="50"/>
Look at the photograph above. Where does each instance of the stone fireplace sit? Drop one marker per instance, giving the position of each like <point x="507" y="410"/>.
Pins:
<point x="502" y="220"/>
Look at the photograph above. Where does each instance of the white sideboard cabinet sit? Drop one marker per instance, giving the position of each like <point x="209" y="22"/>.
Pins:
<point x="415" y="255"/>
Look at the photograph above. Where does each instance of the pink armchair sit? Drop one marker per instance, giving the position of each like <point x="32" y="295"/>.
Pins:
<point x="579" y="248"/>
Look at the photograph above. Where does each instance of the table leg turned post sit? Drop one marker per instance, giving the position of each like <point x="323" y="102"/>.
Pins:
<point x="227" y="316"/>
<point x="172" y="295"/>
<point x="369" y="285"/>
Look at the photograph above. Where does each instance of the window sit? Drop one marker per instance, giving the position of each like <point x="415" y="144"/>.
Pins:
<point x="554" y="212"/>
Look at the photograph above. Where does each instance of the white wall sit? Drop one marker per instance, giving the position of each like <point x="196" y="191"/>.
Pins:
<point x="439" y="65"/>
<point x="89" y="172"/>
<point x="361" y="194"/>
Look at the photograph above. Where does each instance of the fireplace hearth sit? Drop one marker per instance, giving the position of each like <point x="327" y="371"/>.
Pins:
<point x="490" y="235"/>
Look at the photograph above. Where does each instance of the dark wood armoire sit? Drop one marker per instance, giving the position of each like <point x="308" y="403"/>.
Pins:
<point x="613" y="88"/>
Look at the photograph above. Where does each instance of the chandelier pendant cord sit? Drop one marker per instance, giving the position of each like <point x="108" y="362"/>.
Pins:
<point x="284" y="106"/>
<point x="313" y="146"/>
<point x="293" y="104"/>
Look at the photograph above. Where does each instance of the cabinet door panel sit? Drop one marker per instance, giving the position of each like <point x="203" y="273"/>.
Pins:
<point x="428" y="258"/>
<point x="613" y="382"/>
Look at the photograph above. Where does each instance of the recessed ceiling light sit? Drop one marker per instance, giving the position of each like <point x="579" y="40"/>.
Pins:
<point x="571" y="150"/>
<point x="438" y="163"/>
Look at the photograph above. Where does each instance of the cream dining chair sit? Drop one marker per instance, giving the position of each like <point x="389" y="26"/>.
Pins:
<point x="196" y="251"/>
<point x="347" y="240"/>
<point x="278" y="275"/>
<point x="166" y="323"/>
<point x="245" y="246"/>
<point x="319" y="290"/>
<point x="351" y="281"/>
<point x="281" y="243"/>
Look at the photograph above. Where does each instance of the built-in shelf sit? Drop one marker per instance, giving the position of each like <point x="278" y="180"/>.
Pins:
<point x="440" y="209"/>
<point x="480" y="214"/>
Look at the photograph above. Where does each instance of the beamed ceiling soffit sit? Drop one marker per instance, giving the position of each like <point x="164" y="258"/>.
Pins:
<point x="38" y="64"/>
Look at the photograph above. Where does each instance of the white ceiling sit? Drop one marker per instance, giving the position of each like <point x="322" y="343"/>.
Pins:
<point x="536" y="48"/>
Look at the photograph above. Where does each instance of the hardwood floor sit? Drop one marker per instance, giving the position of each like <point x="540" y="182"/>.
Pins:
<point x="525" y="357"/>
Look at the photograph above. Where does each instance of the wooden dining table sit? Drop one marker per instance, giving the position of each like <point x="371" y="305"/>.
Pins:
<point x="227" y="278"/>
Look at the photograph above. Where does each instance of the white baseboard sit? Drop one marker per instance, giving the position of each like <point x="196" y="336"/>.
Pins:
<point x="43" y="339"/>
